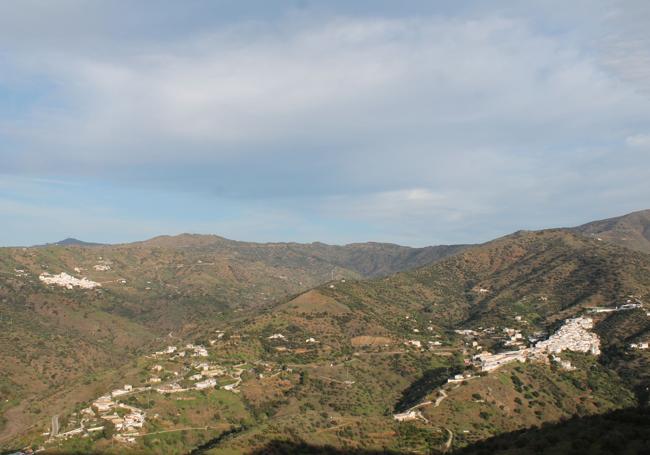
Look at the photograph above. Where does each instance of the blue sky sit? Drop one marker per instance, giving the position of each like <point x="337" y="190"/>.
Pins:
<point x="412" y="122"/>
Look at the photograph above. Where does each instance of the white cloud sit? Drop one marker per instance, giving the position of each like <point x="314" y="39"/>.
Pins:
<point x="347" y="85"/>
<point x="638" y="141"/>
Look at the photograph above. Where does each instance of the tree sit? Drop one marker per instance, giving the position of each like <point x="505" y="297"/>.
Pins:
<point x="109" y="430"/>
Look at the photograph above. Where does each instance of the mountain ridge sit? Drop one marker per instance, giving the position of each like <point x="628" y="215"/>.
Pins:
<point x="631" y="230"/>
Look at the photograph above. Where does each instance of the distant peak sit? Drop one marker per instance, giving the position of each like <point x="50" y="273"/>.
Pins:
<point x="70" y="241"/>
<point x="185" y="240"/>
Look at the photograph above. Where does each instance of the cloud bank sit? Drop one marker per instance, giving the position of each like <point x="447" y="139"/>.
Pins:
<point x="446" y="126"/>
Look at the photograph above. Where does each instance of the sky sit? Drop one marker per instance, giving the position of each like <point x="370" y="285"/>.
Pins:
<point x="412" y="122"/>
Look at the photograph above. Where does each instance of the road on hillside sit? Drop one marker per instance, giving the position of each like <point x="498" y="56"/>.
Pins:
<point x="55" y="426"/>
<point x="450" y="439"/>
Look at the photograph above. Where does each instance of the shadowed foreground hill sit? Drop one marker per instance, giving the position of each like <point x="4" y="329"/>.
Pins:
<point x="631" y="230"/>
<point x="618" y="432"/>
<point x="289" y="448"/>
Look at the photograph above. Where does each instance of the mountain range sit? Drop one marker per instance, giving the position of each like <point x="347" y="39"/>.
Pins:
<point x="350" y="335"/>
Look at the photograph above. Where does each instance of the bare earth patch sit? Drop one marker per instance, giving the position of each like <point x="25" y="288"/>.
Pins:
<point x="367" y="340"/>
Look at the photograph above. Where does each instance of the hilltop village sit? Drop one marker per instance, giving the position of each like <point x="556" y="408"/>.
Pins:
<point x="574" y="335"/>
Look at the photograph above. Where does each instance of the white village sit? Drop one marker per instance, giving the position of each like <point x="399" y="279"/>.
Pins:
<point x="575" y="335"/>
<point x="68" y="281"/>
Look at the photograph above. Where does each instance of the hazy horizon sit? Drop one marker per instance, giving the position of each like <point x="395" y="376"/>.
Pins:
<point x="162" y="234"/>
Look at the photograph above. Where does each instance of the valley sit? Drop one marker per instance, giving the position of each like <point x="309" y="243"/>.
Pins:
<point x="71" y="314"/>
<point x="168" y="349"/>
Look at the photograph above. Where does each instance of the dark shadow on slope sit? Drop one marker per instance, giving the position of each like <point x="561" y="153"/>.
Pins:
<point x="619" y="432"/>
<point x="418" y="390"/>
<point x="296" y="448"/>
<point x="214" y="442"/>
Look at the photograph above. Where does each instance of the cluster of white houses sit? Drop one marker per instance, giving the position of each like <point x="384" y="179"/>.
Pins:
<point x="191" y="349"/>
<point x="129" y="420"/>
<point x="574" y="335"/>
<point x="67" y="281"/>
<point x="107" y="405"/>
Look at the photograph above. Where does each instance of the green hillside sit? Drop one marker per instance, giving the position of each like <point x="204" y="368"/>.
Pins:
<point x="53" y="339"/>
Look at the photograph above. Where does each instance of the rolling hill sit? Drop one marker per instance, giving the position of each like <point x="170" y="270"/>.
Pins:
<point x="371" y="259"/>
<point x="52" y="337"/>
